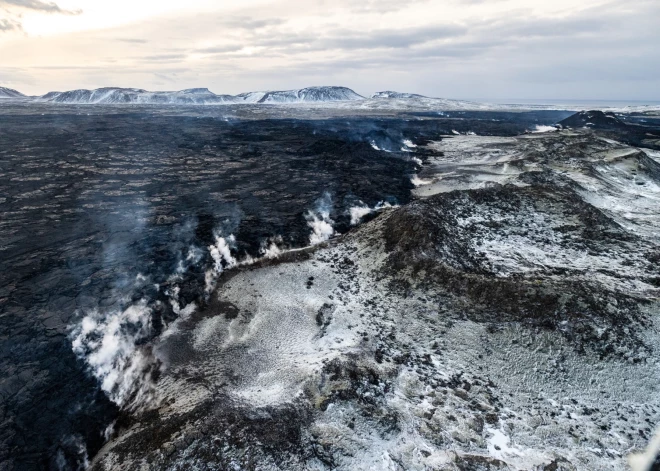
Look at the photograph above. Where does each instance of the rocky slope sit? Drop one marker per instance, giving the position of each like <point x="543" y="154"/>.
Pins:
<point x="506" y="320"/>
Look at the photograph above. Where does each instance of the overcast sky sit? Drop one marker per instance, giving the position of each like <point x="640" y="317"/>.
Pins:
<point x="479" y="49"/>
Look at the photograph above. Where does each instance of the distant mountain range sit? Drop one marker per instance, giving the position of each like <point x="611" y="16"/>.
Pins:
<point x="111" y="95"/>
<point x="342" y="97"/>
<point x="201" y="96"/>
<point x="192" y="96"/>
<point x="331" y="96"/>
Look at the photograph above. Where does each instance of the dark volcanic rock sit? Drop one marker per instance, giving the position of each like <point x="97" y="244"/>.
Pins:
<point x="92" y="204"/>
<point x="399" y="341"/>
<point x="594" y="119"/>
<point x="632" y="131"/>
<point x="457" y="238"/>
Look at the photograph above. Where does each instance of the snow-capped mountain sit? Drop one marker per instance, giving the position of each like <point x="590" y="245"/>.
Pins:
<point x="321" y="96"/>
<point x="391" y="94"/>
<point x="10" y="93"/>
<point x="311" y="94"/>
<point x="200" y="96"/>
<point x="109" y="95"/>
<point x="250" y="97"/>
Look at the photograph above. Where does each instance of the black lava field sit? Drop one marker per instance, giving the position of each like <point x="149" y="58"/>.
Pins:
<point x="92" y="200"/>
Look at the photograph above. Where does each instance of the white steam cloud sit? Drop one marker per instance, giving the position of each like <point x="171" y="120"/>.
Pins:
<point x="221" y="253"/>
<point x="108" y="342"/>
<point x="415" y="180"/>
<point x="222" y="259"/>
<point x="540" y="129"/>
<point x="358" y="212"/>
<point x="319" y="220"/>
<point x="271" y="248"/>
<point x="115" y="343"/>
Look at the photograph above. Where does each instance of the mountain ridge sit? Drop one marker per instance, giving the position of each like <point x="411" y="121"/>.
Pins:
<point x="10" y="93"/>
<point x="335" y="96"/>
<point x="392" y="94"/>
<point x="116" y="95"/>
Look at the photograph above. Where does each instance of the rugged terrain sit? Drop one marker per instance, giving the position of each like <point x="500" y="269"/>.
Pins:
<point x="506" y="319"/>
<point x="278" y="287"/>
<point x="93" y="202"/>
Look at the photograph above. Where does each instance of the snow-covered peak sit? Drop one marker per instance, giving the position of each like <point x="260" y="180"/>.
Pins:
<point x="10" y="93"/>
<point x="196" y="91"/>
<point x="391" y="94"/>
<point x="251" y="97"/>
<point x="311" y="94"/>
<point x="110" y="95"/>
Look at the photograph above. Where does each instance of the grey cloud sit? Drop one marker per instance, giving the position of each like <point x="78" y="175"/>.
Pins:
<point x="284" y="40"/>
<point x="379" y="6"/>
<point x="513" y="54"/>
<point x="163" y="57"/>
<point x="604" y="21"/>
<point x="395" y="39"/>
<point x="9" y="25"/>
<point x="349" y="40"/>
<point x="165" y="77"/>
<point x="457" y="50"/>
<point x="66" y="67"/>
<point x="246" y="22"/>
<point x="10" y="76"/>
<point x="371" y="6"/>
<point x="132" y="40"/>
<point x="613" y="66"/>
<point x="220" y="49"/>
<point x="547" y="27"/>
<point x="40" y="5"/>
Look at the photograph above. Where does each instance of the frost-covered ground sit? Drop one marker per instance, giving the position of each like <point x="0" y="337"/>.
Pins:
<point x="510" y="324"/>
<point x="622" y="181"/>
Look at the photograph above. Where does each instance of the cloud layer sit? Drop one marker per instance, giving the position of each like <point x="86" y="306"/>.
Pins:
<point x="38" y="5"/>
<point x="595" y="49"/>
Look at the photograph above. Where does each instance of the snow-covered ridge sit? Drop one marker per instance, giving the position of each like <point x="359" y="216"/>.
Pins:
<point x="321" y="96"/>
<point x="10" y="93"/>
<point x="391" y="94"/>
<point x="109" y="95"/>
<point x="199" y="96"/>
<point x="311" y="94"/>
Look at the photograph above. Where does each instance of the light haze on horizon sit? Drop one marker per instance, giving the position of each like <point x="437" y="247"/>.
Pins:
<point x="490" y="49"/>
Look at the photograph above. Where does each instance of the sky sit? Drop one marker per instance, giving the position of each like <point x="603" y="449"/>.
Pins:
<point x="476" y="49"/>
